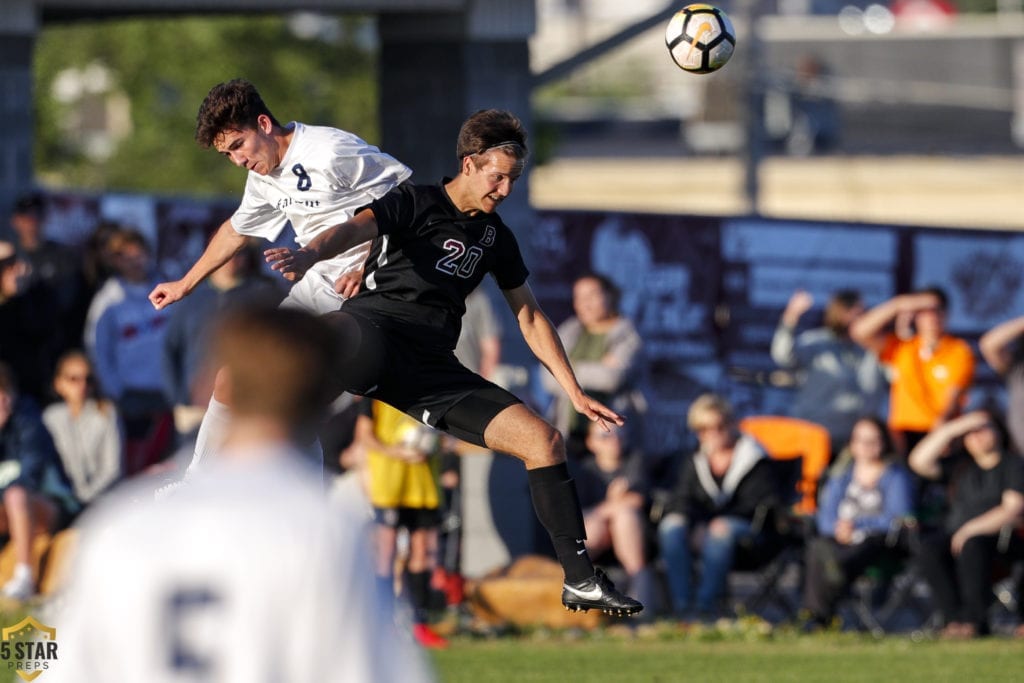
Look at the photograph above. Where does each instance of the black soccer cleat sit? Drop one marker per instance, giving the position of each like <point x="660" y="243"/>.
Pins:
<point x="598" y="592"/>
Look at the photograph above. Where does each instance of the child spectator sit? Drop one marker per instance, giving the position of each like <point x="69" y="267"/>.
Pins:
<point x="613" y="492"/>
<point x="33" y="485"/>
<point x="401" y="468"/>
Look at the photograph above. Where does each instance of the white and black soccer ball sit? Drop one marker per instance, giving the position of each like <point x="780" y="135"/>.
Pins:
<point x="700" y="38"/>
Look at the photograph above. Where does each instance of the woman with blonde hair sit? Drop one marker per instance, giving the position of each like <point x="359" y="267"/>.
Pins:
<point x="713" y="506"/>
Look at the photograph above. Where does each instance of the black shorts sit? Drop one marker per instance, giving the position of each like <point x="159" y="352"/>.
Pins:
<point x="408" y="518"/>
<point x="411" y="368"/>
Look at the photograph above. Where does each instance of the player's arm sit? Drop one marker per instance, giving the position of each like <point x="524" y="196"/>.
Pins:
<point x="293" y="263"/>
<point x="996" y="344"/>
<point x="869" y="329"/>
<point x="543" y="340"/>
<point x="225" y="244"/>
<point x="924" y="457"/>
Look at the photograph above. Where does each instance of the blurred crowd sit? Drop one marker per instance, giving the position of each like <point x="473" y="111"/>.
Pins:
<point x="96" y="386"/>
<point x="882" y="471"/>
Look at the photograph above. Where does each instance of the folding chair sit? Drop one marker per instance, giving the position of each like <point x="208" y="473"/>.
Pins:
<point x="800" y="450"/>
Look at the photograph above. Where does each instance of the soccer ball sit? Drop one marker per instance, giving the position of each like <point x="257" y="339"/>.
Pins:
<point x="700" y="38"/>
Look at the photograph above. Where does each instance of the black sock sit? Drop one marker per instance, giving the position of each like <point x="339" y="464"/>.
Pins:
<point x="558" y="509"/>
<point x="419" y="595"/>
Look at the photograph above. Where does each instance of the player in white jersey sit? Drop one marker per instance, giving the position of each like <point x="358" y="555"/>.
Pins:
<point x="249" y="574"/>
<point x="311" y="176"/>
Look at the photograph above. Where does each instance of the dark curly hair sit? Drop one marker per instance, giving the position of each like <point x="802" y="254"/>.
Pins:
<point x="235" y="105"/>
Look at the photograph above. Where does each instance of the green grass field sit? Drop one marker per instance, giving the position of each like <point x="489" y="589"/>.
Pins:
<point x="833" y="657"/>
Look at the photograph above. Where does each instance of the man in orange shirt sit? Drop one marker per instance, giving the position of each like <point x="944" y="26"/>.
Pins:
<point x="932" y="370"/>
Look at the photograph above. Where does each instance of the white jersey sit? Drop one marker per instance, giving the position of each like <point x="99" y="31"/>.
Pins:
<point x="247" y="575"/>
<point x="326" y="175"/>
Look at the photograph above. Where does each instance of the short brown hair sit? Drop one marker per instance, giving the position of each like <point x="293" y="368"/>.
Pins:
<point x="490" y="129"/>
<point x="235" y="105"/>
<point x="280" y="364"/>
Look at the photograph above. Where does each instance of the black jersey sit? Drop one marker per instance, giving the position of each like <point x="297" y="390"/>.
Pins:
<point x="429" y="256"/>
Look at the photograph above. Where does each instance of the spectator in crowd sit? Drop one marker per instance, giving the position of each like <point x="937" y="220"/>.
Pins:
<point x="129" y="341"/>
<point x="932" y="370"/>
<point x="838" y="380"/>
<point x="30" y="474"/>
<point x="102" y="265"/>
<point x="613" y="491"/>
<point x="860" y="505"/>
<point x="1002" y="347"/>
<point x="401" y="461"/>
<point x="86" y="429"/>
<point x="187" y="383"/>
<point x="56" y="266"/>
<point x="713" y="506"/>
<point x="247" y="573"/>
<point x="27" y="324"/>
<point x="479" y="345"/>
<point x="986" y="495"/>
<point x="606" y="354"/>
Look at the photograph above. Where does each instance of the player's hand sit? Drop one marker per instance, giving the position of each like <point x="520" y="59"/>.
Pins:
<point x="597" y="412"/>
<point x="349" y="283"/>
<point x="291" y="263"/>
<point x="166" y="293"/>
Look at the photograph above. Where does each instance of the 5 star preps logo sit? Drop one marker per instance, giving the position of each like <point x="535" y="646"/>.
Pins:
<point x="28" y="648"/>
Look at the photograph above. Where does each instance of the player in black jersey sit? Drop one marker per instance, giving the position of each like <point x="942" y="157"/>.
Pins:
<point x="433" y="246"/>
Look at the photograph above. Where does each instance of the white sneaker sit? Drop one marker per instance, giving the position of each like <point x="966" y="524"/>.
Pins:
<point x="19" y="588"/>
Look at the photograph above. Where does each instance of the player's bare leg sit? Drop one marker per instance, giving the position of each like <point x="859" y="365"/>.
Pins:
<point x="520" y="432"/>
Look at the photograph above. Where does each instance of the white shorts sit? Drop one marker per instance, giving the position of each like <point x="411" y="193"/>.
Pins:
<point x="314" y="293"/>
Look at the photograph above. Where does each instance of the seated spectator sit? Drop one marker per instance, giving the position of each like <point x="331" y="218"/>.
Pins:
<point x="129" y="340"/>
<point x="401" y="459"/>
<point x="838" y="380"/>
<point x="713" y="507"/>
<point x="986" y="495"/>
<point x="860" y="503"/>
<point x="933" y="370"/>
<point x="85" y="428"/>
<point x="613" y="492"/>
<point x="605" y="351"/>
<point x="29" y="471"/>
<point x="1002" y="347"/>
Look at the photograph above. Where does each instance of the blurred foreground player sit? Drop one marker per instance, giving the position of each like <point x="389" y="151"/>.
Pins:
<point x="248" y="574"/>
<point x="433" y="245"/>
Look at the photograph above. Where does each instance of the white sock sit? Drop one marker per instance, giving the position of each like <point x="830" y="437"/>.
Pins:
<point x="22" y="571"/>
<point x="212" y="431"/>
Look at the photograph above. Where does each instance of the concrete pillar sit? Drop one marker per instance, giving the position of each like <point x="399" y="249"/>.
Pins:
<point x="18" y="26"/>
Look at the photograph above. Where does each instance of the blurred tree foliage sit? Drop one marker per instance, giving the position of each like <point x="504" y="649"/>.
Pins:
<point x="324" y="74"/>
